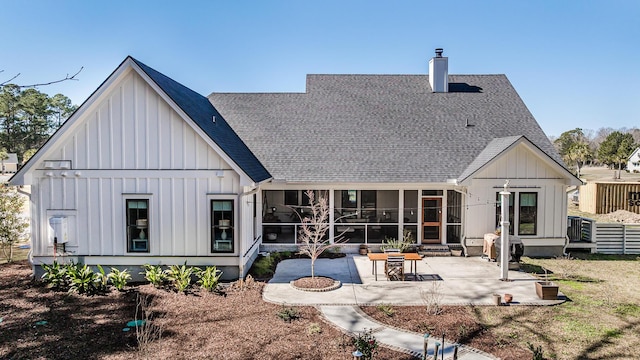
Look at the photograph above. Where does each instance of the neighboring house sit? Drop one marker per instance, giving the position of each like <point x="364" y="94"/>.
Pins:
<point x="148" y="171"/>
<point x="633" y="164"/>
<point x="10" y="165"/>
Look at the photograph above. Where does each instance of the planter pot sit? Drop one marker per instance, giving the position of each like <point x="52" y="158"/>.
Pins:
<point x="456" y="252"/>
<point x="364" y="250"/>
<point x="547" y="290"/>
<point x="508" y="298"/>
<point x="496" y="299"/>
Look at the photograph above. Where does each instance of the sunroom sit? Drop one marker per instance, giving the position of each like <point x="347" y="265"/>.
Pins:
<point x="368" y="216"/>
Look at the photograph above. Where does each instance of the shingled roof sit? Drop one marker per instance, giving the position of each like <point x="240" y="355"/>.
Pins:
<point x="379" y="128"/>
<point x="200" y="110"/>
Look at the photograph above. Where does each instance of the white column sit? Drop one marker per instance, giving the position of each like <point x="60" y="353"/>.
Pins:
<point x="504" y="233"/>
<point x="401" y="214"/>
<point x="332" y="211"/>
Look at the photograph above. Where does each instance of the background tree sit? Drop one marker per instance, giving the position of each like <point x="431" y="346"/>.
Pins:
<point x="28" y="117"/>
<point x="13" y="226"/>
<point x="574" y="148"/>
<point x="578" y="154"/>
<point x="27" y="155"/>
<point x="615" y="149"/>
<point x="567" y="139"/>
<point x="3" y="156"/>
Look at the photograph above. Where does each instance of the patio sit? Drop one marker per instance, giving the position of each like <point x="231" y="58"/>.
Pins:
<point x="462" y="281"/>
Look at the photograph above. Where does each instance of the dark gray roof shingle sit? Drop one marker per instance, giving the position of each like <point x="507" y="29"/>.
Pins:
<point x="201" y="111"/>
<point x="379" y="128"/>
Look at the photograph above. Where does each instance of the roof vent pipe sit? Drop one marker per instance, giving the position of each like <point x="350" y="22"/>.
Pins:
<point x="439" y="72"/>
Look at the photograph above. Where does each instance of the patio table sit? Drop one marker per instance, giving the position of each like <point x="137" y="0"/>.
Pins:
<point x="412" y="257"/>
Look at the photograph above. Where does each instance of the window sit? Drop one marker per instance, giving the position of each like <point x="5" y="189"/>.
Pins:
<point x="350" y="199"/>
<point x="499" y="211"/>
<point x="138" y="225"/>
<point x="528" y="215"/>
<point x="222" y="225"/>
<point x="291" y="197"/>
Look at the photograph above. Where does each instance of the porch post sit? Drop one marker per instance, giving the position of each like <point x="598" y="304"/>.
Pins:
<point x="504" y="233"/>
<point x="401" y="214"/>
<point x="332" y="212"/>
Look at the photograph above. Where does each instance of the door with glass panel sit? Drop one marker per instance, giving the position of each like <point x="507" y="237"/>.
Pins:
<point x="431" y="220"/>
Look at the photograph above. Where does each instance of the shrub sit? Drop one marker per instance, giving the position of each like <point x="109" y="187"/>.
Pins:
<point x="393" y="243"/>
<point x="366" y="343"/>
<point x="386" y="309"/>
<point x="288" y="314"/>
<point x="208" y="278"/>
<point x="55" y="276"/>
<point x="154" y="275"/>
<point x="82" y="279"/>
<point x="180" y="276"/>
<point x="536" y="350"/>
<point x="101" y="280"/>
<point x="264" y="265"/>
<point x="118" y="278"/>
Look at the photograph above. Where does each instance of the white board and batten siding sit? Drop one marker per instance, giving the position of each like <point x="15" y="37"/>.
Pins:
<point x="132" y="144"/>
<point x="526" y="172"/>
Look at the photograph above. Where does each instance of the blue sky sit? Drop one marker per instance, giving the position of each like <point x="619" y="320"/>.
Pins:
<point x="574" y="63"/>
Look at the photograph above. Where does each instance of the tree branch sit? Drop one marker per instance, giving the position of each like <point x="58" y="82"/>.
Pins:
<point x="66" y="78"/>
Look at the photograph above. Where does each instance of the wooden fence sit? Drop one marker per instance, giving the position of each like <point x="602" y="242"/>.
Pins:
<point x="606" y="197"/>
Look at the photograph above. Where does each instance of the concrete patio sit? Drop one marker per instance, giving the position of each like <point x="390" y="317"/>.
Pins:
<point x="459" y="281"/>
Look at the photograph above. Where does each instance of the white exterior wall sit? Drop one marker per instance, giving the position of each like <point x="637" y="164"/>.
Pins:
<point x="130" y="143"/>
<point x="633" y="165"/>
<point x="526" y="172"/>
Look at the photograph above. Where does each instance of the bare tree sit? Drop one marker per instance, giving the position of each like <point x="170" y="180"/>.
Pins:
<point x="66" y="78"/>
<point x="313" y="233"/>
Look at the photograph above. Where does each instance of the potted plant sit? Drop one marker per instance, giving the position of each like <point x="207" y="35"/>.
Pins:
<point x="364" y="249"/>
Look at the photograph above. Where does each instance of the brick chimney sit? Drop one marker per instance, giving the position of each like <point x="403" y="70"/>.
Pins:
<point x="439" y="72"/>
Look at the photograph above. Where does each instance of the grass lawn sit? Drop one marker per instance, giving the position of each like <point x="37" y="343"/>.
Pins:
<point x="601" y="320"/>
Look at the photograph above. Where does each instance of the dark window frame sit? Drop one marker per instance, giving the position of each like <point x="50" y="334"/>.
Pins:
<point x="527" y="214"/>
<point x="222" y="234"/>
<point x="137" y="233"/>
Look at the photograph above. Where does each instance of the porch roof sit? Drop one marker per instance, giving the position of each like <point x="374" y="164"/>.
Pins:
<point x="379" y="128"/>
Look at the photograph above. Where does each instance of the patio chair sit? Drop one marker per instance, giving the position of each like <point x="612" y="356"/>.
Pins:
<point x="394" y="267"/>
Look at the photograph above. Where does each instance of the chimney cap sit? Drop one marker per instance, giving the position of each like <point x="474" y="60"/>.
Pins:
<point x="439" y="52"/>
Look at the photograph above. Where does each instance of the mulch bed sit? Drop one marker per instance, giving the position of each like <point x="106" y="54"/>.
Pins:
<point x="458" y="323"/>
<point x="234" y="324"/>
<point x="318" y="282"/>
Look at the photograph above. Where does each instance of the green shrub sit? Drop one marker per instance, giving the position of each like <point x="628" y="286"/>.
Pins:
<point x="118" y="278"/>
<point x="101" y="280"/>
<point x="393" y="243"/>
<point x="536" y="350"/>
<point x="386" y="309"/>
<point x="367" y="344"/>
<point x="208" y="278"/>
<point x="154" y="274"/>
<point x="264" y="265"/>
<point x="55" y="276"/>
<point x="180" y="276"/>
<point x="82" y="279"/>
<point x="288" y="314"/>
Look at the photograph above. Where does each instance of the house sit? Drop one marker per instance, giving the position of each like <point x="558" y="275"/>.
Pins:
<point x="633" y="164"/>
<point x="148" y="171"/>
<point x="10" y="165"/>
